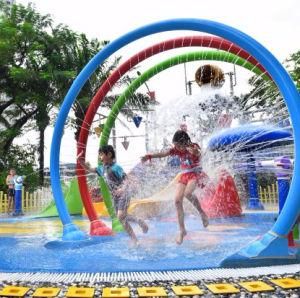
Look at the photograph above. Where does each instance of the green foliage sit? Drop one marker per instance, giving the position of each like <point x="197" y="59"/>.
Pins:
<point x="265" y="93"/>
<point x="293" y="65"/>
<point x="38" y="63"/>
<point x="21" y="158"/>
<point x="23" y="83"/>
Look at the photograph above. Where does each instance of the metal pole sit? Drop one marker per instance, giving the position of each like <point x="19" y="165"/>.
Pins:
<point x="254" y="202"/>
<point x="185" y="79"/>
<point x="114" y="139"/>
<point x="234" y="72"/>
<point x="231" y="83"/>
<point x="147" y="133"/>
<point x="232" y="79"/>
<point x="189" y="84"/>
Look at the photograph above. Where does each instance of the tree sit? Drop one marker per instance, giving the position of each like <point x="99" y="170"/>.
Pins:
<point x="38" y="62"/>
<point x="23" y="82"/>
<point x="265" y="95"/>
<point x="20" y="158"/>
<point x="293" y="65"/>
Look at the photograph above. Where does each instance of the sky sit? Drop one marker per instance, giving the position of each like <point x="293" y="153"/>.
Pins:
<point x="274" y="24"/>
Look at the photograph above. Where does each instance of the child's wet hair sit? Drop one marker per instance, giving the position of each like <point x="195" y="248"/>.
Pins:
<point x="181" y="137"/>
<point x="108" y="149"/>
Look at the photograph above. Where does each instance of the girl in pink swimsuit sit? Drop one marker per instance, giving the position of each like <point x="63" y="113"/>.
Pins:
<point x="190" y="178"/>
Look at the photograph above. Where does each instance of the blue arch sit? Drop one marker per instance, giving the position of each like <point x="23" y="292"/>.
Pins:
<point x="280" y="76"/>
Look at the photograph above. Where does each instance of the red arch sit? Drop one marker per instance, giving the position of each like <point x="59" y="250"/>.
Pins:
<point x="202" y="41"/>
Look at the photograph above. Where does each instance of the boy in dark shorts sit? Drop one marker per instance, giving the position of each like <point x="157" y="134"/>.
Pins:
<point x="121" y="187"/>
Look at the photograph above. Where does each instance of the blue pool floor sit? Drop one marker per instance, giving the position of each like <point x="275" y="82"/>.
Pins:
<point x="157" y="250"/>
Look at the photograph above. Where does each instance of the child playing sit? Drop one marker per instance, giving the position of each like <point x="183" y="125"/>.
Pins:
<point x="190" y="177"/>
<point x="10" y="182"/>
<point x="120" y="186"/>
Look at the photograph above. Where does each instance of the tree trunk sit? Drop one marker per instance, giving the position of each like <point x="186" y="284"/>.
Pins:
<point x="41" y="155"/>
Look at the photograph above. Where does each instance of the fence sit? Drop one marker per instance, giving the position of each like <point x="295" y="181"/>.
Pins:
<point x="37" y="201"/>
<point x="31" y="202"/>
<point x="269" y="194"/>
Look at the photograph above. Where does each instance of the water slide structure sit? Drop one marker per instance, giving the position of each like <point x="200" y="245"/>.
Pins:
<point x="72" y="201"/>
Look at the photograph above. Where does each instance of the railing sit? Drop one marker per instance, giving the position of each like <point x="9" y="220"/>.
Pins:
<point x="269" y="195"/>
<point x="31" y="202"/>
<point x="40" y="199"/>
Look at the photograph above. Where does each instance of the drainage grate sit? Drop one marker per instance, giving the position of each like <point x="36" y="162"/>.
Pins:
<point x="191" y="275"/>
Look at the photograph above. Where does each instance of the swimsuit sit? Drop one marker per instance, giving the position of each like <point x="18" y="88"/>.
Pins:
<point x="115" y="176"/>
<point x="190" y="165"/>
<point x="11" y="186"/>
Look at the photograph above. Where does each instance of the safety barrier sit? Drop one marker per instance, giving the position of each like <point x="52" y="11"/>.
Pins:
<point x="38" y="200"/>
<point x="31" y="202"/>
<point x="269" y="195"/>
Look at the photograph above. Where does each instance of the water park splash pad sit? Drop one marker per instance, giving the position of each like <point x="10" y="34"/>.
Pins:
<point x="96" y="226"/>
<point x="158" y="252"/>
<point x="35" y="248"/>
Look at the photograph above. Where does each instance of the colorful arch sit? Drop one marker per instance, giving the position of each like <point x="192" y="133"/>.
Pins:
<point x="194" y="56"/>
<point x="203" y="41"/>
<point x="272" y="243"/>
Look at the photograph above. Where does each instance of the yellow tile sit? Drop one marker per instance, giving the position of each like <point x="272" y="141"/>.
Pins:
<point x="286" y="283"/>
<point x="116" y="292"/>
<point x="222" y="288"/>
<point x="256" y="286"/>
<point x="46" y="292"/>
<point x="151" y="292"/>
<point x="11" y="291"/>
<point x="187" y="290"/>
<point x="80" y="292"/>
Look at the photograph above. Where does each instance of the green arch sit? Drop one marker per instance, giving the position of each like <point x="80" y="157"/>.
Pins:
<point x="188" y="57"/>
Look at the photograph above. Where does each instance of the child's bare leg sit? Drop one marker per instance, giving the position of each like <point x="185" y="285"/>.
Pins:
<point x="140" y="222"/>
<point x="10" y="204"/>
<point x="195" y="202"/>
<point x="122" y="215"/>
<point x="132" y="218"/>
<point x="180" y="214"/>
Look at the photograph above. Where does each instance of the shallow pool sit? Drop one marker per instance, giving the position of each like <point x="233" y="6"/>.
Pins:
<point x="34" y="245"/>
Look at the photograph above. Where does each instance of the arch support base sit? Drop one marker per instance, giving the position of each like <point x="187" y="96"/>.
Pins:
<point x="267" y="250"/>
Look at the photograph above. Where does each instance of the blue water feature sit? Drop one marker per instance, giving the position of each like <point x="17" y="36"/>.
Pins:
<point x="251" y="137"/>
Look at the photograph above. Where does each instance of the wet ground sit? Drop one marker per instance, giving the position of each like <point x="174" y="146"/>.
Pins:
<point x="34" y="245"/>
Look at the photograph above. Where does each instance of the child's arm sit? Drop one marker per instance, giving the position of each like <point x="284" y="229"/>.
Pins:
<point x="155" y="155"/>
<point x="87" y="166"/>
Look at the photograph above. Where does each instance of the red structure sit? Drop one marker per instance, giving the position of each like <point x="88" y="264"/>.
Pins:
<point x="223" y="199"/>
